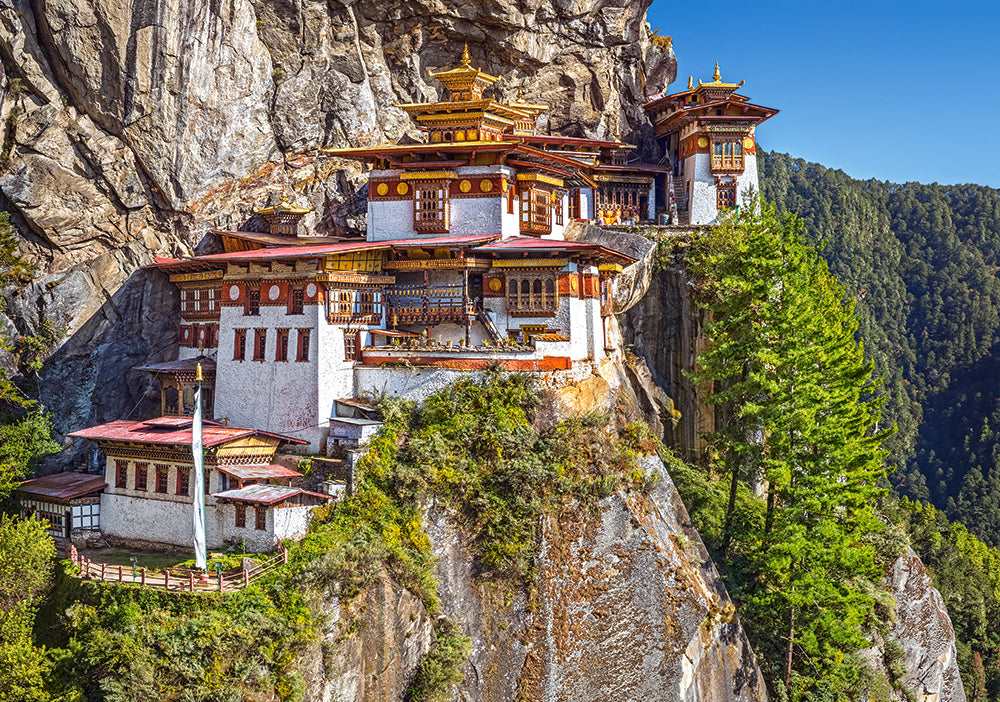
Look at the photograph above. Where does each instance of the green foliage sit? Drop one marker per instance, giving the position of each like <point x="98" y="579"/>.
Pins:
<point x="26" y="553"/>
<point x="440" y="670"/>
<point x="920" y="262"/>
<point x="473" y="447"/>
<point x="802" y="416"/>
<point x="22" y="442"/>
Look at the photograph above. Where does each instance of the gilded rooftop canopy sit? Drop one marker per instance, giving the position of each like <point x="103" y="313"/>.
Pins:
<point x="464" y="82"/>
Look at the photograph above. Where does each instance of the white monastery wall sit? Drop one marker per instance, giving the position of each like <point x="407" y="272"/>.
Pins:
<point x="335" y="381"/>
<point x="698" y="172"/>
<point x="288" y="522"/>
<point x="390" y="219"/>
<point x="747" y="182"/>
<point x="278" y="396"/>
<point x="249" y="537"/>
<point x="162" y="521"/>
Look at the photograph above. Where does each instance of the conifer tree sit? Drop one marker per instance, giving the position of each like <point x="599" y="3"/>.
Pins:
<point x="801" y="417"/>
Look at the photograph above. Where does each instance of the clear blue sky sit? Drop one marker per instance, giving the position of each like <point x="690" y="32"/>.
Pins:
<point x="891" y="90"/>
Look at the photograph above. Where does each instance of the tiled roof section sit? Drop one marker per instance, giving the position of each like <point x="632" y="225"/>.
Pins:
<point x="171" y="431"/>
<point x="263" y="494"/>
<point x="63" y="487"/>
<point x="269" y="472"/>
<point x="278" y="239"/>
<point x="180" y="366"/>
<point x="518" y="244"/>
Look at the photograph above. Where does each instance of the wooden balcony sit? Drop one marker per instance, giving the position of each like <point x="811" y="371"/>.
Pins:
<point x="427" y="305"/>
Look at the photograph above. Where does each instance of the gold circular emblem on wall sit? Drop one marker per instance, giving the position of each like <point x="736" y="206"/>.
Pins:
<point x="465" y="186"/>
<point x="402" y="188"/>
<point x="435" y="137"/>
<point x="459" y="135"/>
<point x="382" y="189"/>
<point x="702" y="142"/>
<point x="486" y="186"/>
<point x="496" y="285"/>
<point x="574" y="284"/>
<point x="472" y="135"/>
<point x="747" y="143"/>
<point x="504" y="185"/>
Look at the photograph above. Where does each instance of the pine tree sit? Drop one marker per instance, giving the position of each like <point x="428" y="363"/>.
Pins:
<point x="802" y="415"/>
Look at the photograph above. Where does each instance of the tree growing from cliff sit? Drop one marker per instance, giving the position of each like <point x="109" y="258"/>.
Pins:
<point x="802" y="419"/>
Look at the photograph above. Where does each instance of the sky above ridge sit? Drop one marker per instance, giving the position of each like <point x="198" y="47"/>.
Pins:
<point x="897" y="91"/>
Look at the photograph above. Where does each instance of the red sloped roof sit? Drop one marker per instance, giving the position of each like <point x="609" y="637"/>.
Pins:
<point x="267" y="472"/>
<point x="63" y="487"/>
<point x="516" y="244"/>
<point x="171" y="431"/>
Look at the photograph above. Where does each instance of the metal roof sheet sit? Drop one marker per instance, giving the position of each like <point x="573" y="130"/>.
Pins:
<point x="261" y="493"/>
<point x="171" y="431"/>
<point x="259" y="472"/>
<point x="63" y="487"/>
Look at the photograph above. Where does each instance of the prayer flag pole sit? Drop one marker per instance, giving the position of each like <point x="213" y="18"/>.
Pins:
<point x="199" y="475"/>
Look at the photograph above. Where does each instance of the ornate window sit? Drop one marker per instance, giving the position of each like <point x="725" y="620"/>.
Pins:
<point x="536" y="211"/>
<point x="574" y="203"/>
<point x="252" y="306"/>
<point x="296" y="301"/>
<point x="302" y="350"/>
<point x="725" y="195"/>
<point x="727" y="155"/>
<point x="183" y="485"/>
<point x="121" y="474"/>
<point x="259" y="344"/>
<point x="430" y="207"/>
<point x="532" y="294"/>
<point x="355" y="305"/>
<point x="141" y="471"/>
<point x="281" y="345"/>
<point x="350" y="346"/>
<point x="559" y="209"/>
<point x="239" y="344"/>
<point x="162" y="474"/>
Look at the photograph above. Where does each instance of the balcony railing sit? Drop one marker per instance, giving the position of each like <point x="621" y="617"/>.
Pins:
<point x="420" y="305"/>
<point x="727" y="163"/>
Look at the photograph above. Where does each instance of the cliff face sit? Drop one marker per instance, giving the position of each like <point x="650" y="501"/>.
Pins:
<point x="131" y="128"/>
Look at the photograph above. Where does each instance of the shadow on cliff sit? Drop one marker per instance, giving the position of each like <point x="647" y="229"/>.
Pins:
<point x="90" y="379"/>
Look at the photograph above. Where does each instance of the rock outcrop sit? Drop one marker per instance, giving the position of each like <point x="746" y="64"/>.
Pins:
<point x="129" y="129"/>
<point x="924" y="664"/>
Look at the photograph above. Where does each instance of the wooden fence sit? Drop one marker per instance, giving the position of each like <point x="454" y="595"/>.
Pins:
<point x="177" y="579"/>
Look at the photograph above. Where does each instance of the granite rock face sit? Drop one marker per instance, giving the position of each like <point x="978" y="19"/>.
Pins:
<point x="628" y="606"/>
<point x="923" y="632"/>
<point x="130" y="129"/>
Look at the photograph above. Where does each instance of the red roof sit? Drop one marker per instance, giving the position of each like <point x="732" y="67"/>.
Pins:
<point x="259" y="472"/>
<point x="516" y="244"/>
<point x="171" y="431"/>
<point x="63" y="487"/>
<point x="264" y="494"/>
<point x="574" y="141"/>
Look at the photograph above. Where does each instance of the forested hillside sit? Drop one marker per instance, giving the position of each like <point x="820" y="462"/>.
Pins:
<point x="921" y="261"/>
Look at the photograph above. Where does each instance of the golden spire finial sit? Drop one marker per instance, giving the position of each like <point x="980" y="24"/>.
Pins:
<point x="690" y="82"/>
<point x="197" y="373"/>
<point x="466" y="57"/>
<point x="717" y="76"/>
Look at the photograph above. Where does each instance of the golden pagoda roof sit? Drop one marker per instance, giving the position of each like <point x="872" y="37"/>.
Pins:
<point x="717" y="81"/>
<point x="464" y="75"/>
<point x="284" y="207"/>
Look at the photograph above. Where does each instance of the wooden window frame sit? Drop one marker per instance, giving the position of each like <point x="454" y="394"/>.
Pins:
<point x="251" y="308"/>
<point x="559" y="209"/>
<point x="431" y="207"/>
<point x="182" y="483"/>
<point x="302" y="339"/>
<point x="727" y="154"/>
<point x="260" y="518"/>
<point x="574" y="204"/>
<point x="725" y="195"/>
<point x="162" y="484"/>
<point x="281" y="345"/>
<point x="141" y="469"/>
<point x="121" y="475"/>
<point x="535" y="216"/>
<point x="532" y="294"/>
<point x="240" y="518"/>
<point x="297" y="301"/>
<point x="351" y="345"/>
<point x="239" y="344"/>
<point x="260" y="344"/>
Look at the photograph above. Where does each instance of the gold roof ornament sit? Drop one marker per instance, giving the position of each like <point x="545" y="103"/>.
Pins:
<point x="465" y="83"/>
<point x="284" y="206"/>
<point x="690" y="82"/>
<point x="717" y="82"/>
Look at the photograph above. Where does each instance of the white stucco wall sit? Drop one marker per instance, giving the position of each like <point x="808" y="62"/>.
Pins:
<point x="289" y="522"/>
<point x="698" y="170"/>
<point x="290" y="397"/>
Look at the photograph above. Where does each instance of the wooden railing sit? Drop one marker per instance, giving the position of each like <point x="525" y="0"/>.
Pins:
<point x="176" y="579"/>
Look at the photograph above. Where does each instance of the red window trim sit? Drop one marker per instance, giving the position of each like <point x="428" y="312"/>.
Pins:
<point x="260" y="518"/>
<point x="121" y="474"/>
<point x="281" y="345"/>
<point x="302" y="345"/>
<point x="182" y="485"/>
<point x="239" y="344"/>
<point x="241" y="515"/>
<point x="141" y="469"/>
<point x="259" y="344"/>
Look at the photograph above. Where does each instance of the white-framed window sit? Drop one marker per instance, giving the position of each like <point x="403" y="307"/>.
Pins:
<point x="430" y="207"/>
